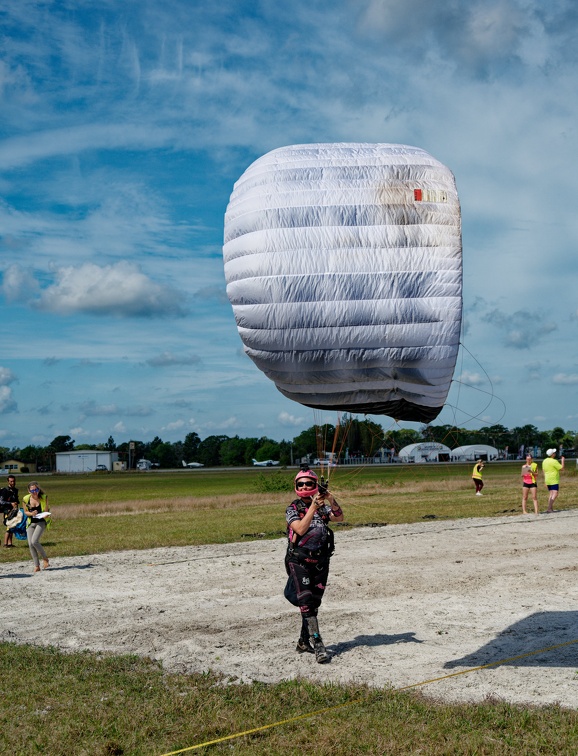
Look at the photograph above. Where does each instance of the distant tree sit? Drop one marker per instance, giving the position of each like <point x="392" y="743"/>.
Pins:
<point x="61" y="444"/>
<point x="402" y="437"/>
<point x="268" y="450"/>
<point x="164" y="454"/>
<point x="447" y="434"/>
<point x="499" y="436"/>
<point x="161" y="452"/>
<point x="210" y="450"/>
<point x="191" y="447"/>
<point x="569" y="440"/>
<point x="31" y="454"/>
<point x="305" y="444"/>
<point x="110" y="445"/>
<point x="178" y="452"/>
<point x="557" y="434"/>
<point x="527" y="436"/>
<point x="371" y="437"/>
<point x="286" y="452"/>
<point x="232" y="451"/>
<point x="251" y="446"/>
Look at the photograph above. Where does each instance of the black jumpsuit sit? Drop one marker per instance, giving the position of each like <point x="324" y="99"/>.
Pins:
<point x="307" y="559"/>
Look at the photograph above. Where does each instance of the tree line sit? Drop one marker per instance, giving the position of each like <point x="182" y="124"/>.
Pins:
<point x="351" y="438"/>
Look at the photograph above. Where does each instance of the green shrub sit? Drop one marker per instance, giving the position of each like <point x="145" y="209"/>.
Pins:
<point x="276" y="482"/>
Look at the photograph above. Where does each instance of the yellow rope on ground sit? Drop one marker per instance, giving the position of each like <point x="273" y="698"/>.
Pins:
<point x="359" y="700"/>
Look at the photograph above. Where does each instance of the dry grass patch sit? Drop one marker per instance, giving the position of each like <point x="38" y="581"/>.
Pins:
<point x="175" y="504"/>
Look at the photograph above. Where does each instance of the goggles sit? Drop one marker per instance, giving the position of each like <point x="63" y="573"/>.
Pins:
<point x="306" y="484"/>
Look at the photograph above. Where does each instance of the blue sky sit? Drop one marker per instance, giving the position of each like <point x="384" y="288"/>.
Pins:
<point x="124" y="127"/>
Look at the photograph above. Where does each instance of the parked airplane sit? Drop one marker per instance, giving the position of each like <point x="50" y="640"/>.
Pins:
<point x="192" y="464"/>
<point x="266" y="463"/>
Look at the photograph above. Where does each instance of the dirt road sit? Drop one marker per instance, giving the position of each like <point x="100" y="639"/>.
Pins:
<point x="406" y="604"/>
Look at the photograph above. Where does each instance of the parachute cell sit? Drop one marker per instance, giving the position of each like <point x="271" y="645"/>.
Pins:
<point x="344" y="269"/>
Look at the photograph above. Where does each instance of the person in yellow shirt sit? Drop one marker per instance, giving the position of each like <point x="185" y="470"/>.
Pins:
<point x="530" y="483"/>
<point x="551" y="469"/>
<point x="477" y="476"/>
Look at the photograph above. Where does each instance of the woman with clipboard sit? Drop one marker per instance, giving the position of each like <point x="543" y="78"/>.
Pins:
<point x="36" y="509"/>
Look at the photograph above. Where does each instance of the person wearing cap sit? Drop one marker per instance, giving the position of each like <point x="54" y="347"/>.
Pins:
<point x="308" y="553"/>
<point x="551" y="469"/>
<point x="529" y="483"/>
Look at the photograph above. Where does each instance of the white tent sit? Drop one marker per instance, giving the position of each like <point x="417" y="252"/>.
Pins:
<point x="425" y="452"/>
<point x="472" y="452"/>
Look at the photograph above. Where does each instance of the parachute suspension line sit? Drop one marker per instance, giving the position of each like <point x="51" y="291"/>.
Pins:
<point x="340" y="437"/>
<point x="321" y="429"/>
<point x="355" y="472"/>
<point x="459" y="385"/>
<point x="490" y="393"/>
<point x="451" y="435"/>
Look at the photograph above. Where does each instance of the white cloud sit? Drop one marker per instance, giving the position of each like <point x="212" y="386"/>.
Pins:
<point x="176" y="425"/>
<point x="125" y="144"/>
<point x="522" y="329"/>
<point x="6" y="376"/>
<point x="80" y="432"/>
<point x="287" y="419"/>
<point x="230" y="423"/>
<point x="565" y="379"/>
<point x="19" y="151"/>
<point x="18" y="284"/>
<point x="473" y="379"/>
<point x="120" y="427"/>
<point x="120" y="290"/>
<point x="91" y="409"/>
<point x="166" y="359"/>
<point x="7" y="403"/>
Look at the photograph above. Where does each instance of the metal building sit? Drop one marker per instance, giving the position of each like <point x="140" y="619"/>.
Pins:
<point x="87" y="460"/>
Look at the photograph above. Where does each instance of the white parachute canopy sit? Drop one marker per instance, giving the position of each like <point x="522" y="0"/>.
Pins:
<point x="344" y="269"/>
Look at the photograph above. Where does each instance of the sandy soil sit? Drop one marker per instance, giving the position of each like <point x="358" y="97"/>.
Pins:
<point x="406" y="604"/>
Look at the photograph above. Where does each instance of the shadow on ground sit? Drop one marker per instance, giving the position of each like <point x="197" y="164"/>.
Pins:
<point x="537" y="633"/>
<point x="50" y="569"/>
<point x="379" y="639"/>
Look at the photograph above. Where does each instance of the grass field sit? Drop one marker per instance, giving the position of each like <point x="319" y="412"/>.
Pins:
<point x="203" y="506"/>
<point x="94" y="704"/>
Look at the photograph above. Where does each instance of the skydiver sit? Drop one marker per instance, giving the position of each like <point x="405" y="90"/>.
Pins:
<point x="309" y="551"/>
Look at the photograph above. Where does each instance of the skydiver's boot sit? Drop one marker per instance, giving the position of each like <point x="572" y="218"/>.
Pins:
<point x="321" y="655"/>
<point x="303" y="645"/>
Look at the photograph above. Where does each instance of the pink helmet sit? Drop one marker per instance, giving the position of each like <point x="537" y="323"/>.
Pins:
<point x="309" y="492"/>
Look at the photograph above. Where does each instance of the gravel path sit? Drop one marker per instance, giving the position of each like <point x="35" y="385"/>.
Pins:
<point x="406" y="604"/>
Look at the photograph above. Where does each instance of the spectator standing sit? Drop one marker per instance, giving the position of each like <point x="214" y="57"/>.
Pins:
<point x="477" y="476"/>
<point x="11" y="495"/>
<point x="35" y="504"/>
<point x="551" y="469"/>
<point x="530" y="483"/>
